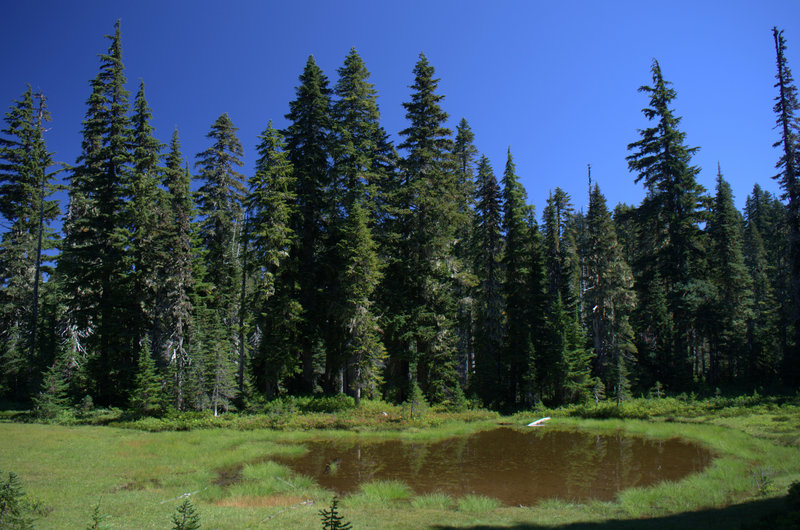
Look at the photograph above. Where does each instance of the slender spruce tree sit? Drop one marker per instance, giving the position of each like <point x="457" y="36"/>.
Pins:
<point x="272" y="204"/>
<point x="176" y="274"/>
<point x="423" y="346"/>
<point x="363" y="349"/>
<point x="220" y="207"/>
<point x="308" y="144"/>
<point x="763" y="329"/>
<point x="788" y="123"/>
<point x="609" y="299"/>
<point x="464" y="155"/>
<point x="563" y="364"/>
<point x="491" y="367"/>
<point x="143" y="208"/>
<point x="732" y="302"/>
<point x="93" y="267"/>
<point x="669" y="219"/>
<point x="357" y="183"/>
<point x="522" y="290"/>
<point x="26" y="187"/>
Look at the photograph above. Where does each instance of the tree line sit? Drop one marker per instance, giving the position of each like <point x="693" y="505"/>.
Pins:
<point x="347" y="264"/>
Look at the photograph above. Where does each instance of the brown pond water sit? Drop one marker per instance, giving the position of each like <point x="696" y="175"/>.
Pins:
<point x="518" y="467"/>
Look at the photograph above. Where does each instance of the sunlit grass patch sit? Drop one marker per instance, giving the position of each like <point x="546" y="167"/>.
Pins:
<point x="432" y="501"/>
<point x="378" y="493"/>
<point x="477" y="504"/>
<point x="386" y="490"/>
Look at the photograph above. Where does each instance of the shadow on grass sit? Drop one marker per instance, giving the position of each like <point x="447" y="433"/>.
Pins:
<point x="768" y="514"/>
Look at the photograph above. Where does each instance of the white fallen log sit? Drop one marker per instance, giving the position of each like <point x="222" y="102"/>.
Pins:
<point x="539" y="422"/>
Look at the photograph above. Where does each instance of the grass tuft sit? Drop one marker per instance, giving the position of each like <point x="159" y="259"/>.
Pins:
<point x="477" y="504"/>
<point x="432" y="501"/>
<point x="386" y="490"/>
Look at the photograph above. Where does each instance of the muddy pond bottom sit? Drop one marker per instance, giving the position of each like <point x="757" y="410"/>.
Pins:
<point x="518" y="467"/>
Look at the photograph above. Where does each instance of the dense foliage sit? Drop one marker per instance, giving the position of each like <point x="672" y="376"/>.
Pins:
<point x="346" y="265"/>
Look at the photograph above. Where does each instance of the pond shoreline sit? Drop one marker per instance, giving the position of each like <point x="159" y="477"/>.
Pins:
<point x="137" y="475"/>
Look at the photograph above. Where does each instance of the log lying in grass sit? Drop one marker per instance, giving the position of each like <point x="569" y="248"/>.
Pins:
<point x="539" y="422"/>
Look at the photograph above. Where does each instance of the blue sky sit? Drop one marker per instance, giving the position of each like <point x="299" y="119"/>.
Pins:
<point x="555" y="81"/>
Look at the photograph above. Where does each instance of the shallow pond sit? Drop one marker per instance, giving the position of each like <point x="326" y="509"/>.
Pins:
<point x="518" y="467"/>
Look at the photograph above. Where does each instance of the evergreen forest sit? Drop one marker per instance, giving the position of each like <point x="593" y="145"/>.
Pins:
<point x="348" y="263"/>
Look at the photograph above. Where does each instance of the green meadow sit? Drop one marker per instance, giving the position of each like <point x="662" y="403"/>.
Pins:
<point x="138" y="477"/>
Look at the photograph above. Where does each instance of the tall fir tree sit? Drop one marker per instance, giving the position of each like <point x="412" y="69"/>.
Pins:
<point x="93" y="264"/>
<point x="491" y="367"/>
<point x="175" y="283"/>
<point x="562" y="365"/>
<point x="308" y="143"/>
<point x="144" y="223"/>
<point x="522" y="287"/>
<point x="763" y="335"/>
<point x="732" y="283"/>
<point x="669" y="217"/>
<point x="220" y="207"/>
<point x="423" y="342"/>
<point x="357" y="180"/>
<point x="610" y="299"/>
<point x="26" y="186"/>
<point x="464" y="155"/>
<point x="272" y="203"/>
<point x="363" y="349"/>
<point x="788" y="123"/>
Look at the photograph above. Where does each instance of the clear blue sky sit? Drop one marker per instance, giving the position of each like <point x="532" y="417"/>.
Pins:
<point x="556" y="81"/>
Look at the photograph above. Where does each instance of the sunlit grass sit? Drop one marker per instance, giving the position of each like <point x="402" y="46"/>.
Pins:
<point x="139" y="477"/>
<point x="433" y="501"/>
<point x="383" y="491"/>
<point x="477" y="504"/>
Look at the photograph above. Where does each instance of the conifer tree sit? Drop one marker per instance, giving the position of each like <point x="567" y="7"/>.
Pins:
<point x="147" y="396"/>
<point x="669" y="220"/>
<point x="176" y="273"/>
<point x="550" y="362"/>
<point x="185" y="517"/>
<point x="143" y="212"/>
<point x="358" y="133"/>
<point x="490" y="365"/>
<point x="93" y="266"/>
<point x="464" y="155"/>
<point x="421" y="339"/>
<point x="563" y="364"/>
<point x="363" y="349"/>
<point x="763" y="342"/>
<point x="26" y="184"/>
<point x="308" y="140"/>
<point x="332" y="519"/>
<point x="788" y="122"/>
<point x="521" y="286"/>
<point x="609" y="299"/>
<point x="358" y="177"/>
<point x="732" y="303"/>
<point x="53" y="397"/>
<point x="272" y="203"/>
<point x="220" y="206"/>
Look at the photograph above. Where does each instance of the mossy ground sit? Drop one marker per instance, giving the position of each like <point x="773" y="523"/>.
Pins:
<point x="138" y="477"/>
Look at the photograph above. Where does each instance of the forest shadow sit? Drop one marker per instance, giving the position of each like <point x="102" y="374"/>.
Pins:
<point x="772" y="514"/>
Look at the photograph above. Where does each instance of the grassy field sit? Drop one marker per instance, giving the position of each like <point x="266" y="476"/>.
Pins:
<point x="138" y="477"/>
